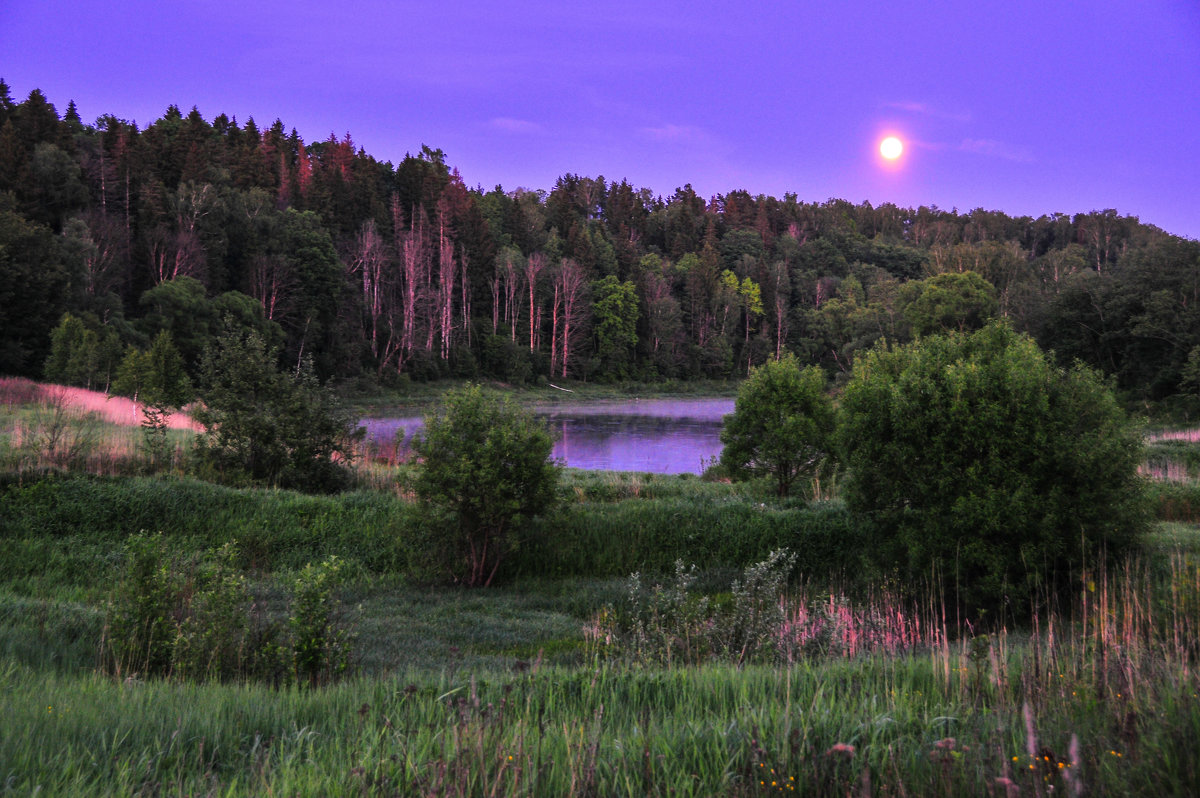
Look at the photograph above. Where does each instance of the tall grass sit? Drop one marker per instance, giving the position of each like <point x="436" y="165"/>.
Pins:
<point x="64" y="530"/>
<point x="53" y="427"/>
<point x="1104" y="701"/>
<point x="1190" y="435"/>
<point x="499" y="693"/>
<point x="19" y="392"/>
<point x="649" y="535"/>
<point x="1175" y="458"/>
<point x="1175" y="501"/>
<point x="457" y="696"/>
<point x="67" y="532"/>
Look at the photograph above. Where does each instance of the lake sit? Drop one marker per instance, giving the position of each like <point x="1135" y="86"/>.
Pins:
<point x="662" y="436"/>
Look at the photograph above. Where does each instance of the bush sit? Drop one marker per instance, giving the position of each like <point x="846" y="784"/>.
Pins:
<point x="980" y="462"/>
<point x="140" y="634"/>
<point x="780" y="425"/>
<point x="265" y="426"/>
<point x="320" y="649"/>
<point x="190" y="618"/>
<point x="485" y="470"/>
<point x="668" y="624"/>
<point x="194" y="618"/>
<point x="221" y="635"/>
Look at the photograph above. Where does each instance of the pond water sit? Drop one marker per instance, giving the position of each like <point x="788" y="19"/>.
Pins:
<point x="662" y="436"/>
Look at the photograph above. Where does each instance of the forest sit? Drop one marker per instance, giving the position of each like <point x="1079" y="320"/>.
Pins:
<point x="962" y="571"/>
<point x="386" y="273"/>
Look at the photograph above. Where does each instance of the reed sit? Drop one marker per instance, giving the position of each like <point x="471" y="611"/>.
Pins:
<point x="1102" y="701"/>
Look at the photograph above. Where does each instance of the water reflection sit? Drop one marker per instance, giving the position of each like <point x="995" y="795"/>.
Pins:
<point x="663" y="436"/>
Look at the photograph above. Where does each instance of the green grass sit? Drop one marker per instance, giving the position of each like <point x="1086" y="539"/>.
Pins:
<point x="503" y="692"/>
<point x="607" y="539"/>
<point x="67" y="532"/>
<point x="1175" y="501"/>
<point x="454" y="628"/>
<point x="922" y="723"/>
<point x="583" y="486"/>
<point x="1171" y="536"/>
<point x="452" y="683"/>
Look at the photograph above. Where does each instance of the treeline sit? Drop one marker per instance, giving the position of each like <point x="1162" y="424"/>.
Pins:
<point x="397" y="272"/>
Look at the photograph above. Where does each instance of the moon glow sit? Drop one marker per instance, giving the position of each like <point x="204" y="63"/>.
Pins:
<point x="891" y="148"/>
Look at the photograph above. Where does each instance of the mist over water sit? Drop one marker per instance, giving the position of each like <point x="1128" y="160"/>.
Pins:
<point x="662" y="436"/>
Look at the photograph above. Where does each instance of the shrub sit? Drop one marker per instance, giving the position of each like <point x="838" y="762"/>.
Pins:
<point x="140" y="634"/>
<point x="780" y="425"/>
<point x="485" y="470"/>
<point x="977" y="459"/>
<point x="221" y="634"/>
<point x="265" y="426"/>
<point x="58" y="433"/>
<point x="320" y="649"/>
<point x="756" y="613"/>
<point x="666" y="624"/>
<point x="194" y="618"/>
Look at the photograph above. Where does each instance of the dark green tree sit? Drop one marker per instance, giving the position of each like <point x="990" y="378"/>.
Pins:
<point x="268" y="426"/>
<point x="615" y="313"/>
<point x="959" y="301"/>
<point x="985" y="466"/>
<point x="156" y="376"/>
<point x="182" y="308"/>
<point x="33" y="289"/>
<point x="781" y="424"/>
<point x="308" y="250"/>
<point x="67" y="341"/>
<point x="57" y="187"/>
<point x="1191" y="371"/>
<point x="83" y="354"/>
<point x="485" y="467"/>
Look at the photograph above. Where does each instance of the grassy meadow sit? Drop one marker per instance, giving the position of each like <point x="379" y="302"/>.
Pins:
<point x="530" y="688"/>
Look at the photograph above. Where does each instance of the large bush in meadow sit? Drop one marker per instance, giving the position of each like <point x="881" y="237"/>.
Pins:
<point x="264" y="425"/>
<point x="983" y="465"/>
<point x="485" y="470"/>
<point x="780" y="425"/>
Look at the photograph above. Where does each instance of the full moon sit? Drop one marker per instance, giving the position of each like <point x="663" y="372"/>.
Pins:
<point x="891" y="148"/>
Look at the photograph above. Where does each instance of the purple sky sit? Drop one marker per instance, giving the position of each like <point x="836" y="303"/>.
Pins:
<point x="1024" y="106"/>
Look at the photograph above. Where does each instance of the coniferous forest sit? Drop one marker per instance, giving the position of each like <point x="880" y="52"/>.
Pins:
<point x="385" y="273"/>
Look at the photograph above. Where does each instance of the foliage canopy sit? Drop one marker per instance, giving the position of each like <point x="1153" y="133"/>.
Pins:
<point x="959" y="301"/>
<point x="781" y="424"/>
<point x="401" y="271"/>
<point x="267" y="426"/>
<point x="486" y="463"/>
<point x="975" y="456"/>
